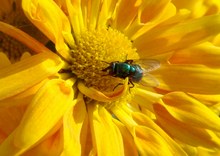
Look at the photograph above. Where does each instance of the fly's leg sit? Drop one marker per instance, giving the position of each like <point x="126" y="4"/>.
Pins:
<point x="106" y="69"/>
<point x="129" y="61"/>
<point x="130" y="82"/>
<point x="117" y="86"/>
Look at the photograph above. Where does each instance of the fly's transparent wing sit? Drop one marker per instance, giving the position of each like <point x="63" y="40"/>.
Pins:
<point x="148" y="65"/>
<point x="149" y="81"/>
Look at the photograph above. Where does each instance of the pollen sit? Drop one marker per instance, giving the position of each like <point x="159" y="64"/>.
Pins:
<point x="94" y="51"/>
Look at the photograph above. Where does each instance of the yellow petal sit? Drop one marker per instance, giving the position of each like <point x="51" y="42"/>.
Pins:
<point x="207" y="152"/>
<point x="76" y="15"/>
<point x="145" y="21"/>
<point x="71" y="137"/>
<point x="99" y="96"/>
<point x="106" y="12"/>
<point x="187" y="109"/>
<point x="46" y="109"/>
<point x="149" y="142"/>
<point x="216" y="109"/>
<point x="216" y="40"/>
<point x="184" y="132"/>
<point x="129" y="146"/>
<point x="206" y="99"/>
<point x="4" y="60"/>
<point x="151" y="9"/>
<point x="48" y="147"/>
<point x="25" y="55"/>
<point x="24" y="38"/>
<point x="93" y="13"/>
<point x="123" y="17"/>
<point x="139" y="126"/>
<point x="73" y="122"/>
<point x="10" y="118"/>
<point x="107" y="139"/>
<point x="178" y="17"/>
<point x="167" y="38"/>
<point x="145" y="98"/>
<point x="123" y="113"/>
<point x="197" y="79"/>
<point x="190" y="150"/>
<point x="205" y="53"/>
<point x="199" y="8"/>
<point x="81" y="125"/>
<point x="7" y="147"/>
<point x="49" y="18"/>
<point x="27" y="73"/>
<point x="22" y="98"/>
<point x="143" y="120"/>
<point x="87" y="144"/>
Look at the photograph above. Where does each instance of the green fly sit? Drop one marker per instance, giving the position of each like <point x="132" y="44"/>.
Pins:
<point x="137" y="71"/>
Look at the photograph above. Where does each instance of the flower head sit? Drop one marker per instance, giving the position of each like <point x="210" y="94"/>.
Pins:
<point x="87" y="98"/>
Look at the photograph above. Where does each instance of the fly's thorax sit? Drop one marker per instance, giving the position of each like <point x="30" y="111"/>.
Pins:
<point x="95" y="51"/>
<point x="137" y="76"/>
<point x="122" y="69"/>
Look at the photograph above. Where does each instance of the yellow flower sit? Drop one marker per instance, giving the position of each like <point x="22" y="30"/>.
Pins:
<point x="71" y="103"/>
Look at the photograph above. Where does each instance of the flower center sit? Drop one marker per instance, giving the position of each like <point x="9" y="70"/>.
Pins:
<point x="95" y="51"/>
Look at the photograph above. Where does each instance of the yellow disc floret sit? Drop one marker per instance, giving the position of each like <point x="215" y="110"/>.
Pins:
<point x="94" y="51"/>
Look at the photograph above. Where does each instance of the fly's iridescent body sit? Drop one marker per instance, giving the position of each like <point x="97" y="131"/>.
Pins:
<point x="136" y="70"/>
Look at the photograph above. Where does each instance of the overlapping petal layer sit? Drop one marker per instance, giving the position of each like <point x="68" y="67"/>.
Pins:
<point x="146" y="133"/>
<point x="51" y="21"/>
<point x="27" y="73"/>
<point x="192" y="135"/>
<point x="205" y="53"/>
<point x="41" y="116"/>
<point x="186" y="109"/>
<point x="75" y="121"/>
<point x="191" y="78"/>
<point x="107" y="139"/>
<point x="173" y="37"/>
